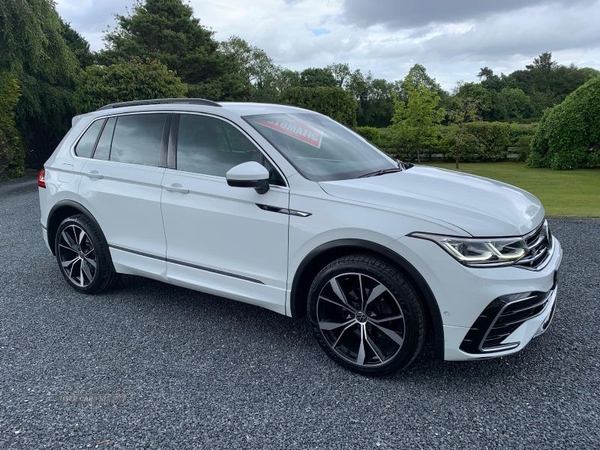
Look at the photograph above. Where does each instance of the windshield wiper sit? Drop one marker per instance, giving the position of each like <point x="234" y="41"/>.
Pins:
<point x="376" y="173"/>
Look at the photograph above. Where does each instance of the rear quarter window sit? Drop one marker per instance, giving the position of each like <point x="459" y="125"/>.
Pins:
<point x="87" y="142"/>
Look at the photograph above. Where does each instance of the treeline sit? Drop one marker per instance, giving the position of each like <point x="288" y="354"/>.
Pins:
<point x="48" y="74"/>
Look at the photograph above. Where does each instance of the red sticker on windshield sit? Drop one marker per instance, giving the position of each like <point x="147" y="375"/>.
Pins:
<point x="297" y="130"/>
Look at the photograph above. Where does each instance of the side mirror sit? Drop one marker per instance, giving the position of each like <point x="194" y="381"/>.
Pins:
<point x="249" y="174"/>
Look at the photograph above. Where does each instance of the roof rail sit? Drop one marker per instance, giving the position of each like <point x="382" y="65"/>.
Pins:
<point x="160" y="101"/>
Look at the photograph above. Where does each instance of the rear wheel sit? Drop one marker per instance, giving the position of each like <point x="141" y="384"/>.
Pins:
<point x="366" y="315"/>
<point x="83" y="256"/>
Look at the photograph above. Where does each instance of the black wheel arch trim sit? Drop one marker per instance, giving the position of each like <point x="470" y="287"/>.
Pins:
<point x="61" y="204"/>
<point x="298" y="306"/>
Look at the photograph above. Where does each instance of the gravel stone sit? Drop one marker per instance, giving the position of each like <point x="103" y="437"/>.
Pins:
<point x="155" y="366"/>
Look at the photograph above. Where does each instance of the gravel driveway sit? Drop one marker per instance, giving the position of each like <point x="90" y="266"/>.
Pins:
<point x="154" y="366"/>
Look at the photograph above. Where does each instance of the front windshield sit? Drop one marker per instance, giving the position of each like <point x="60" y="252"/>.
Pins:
<point x="318" y="147"/>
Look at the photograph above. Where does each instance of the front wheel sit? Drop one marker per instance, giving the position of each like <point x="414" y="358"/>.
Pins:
<point x="366" y="315"/>
<point x="83" y="256"/>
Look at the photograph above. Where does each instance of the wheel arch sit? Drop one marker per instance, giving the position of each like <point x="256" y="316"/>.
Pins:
<point x="324" y="254"/>
<point x="59" y="212"/>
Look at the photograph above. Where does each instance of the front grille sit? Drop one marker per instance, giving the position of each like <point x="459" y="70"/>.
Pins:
<point x="539" y="248"/>
<point x="500" y="319"/>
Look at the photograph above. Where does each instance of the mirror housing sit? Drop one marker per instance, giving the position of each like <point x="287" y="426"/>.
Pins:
<point x="249" y="174"/>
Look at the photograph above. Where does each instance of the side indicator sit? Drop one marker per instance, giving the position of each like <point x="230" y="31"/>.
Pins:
<point x="41" y="178"/>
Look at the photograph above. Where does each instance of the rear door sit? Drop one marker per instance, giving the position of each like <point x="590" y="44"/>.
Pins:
<point x="121" y="186"/>
<point x="219" y="239"/>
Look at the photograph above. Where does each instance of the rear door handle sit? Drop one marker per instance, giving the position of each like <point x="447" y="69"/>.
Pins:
<point x="95" y="174"/>
<point x="176" y="187"/>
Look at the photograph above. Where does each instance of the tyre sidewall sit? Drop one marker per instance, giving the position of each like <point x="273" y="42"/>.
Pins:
<point x="104" y="270"/>
<point x="399" y="286"/>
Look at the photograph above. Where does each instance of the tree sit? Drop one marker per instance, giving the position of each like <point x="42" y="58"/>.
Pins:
<point x="485" y="73"/>
<point x="167" y="31"/>
<point x="416" y="118"/>
<point x="464" y="110"/>
<point x="331" y="101"/>
<point x="341" y="73"/>
<point x="360" y="86"/>
<point x="11" y="153"/>
<point x="317" y="77"/>
<point x="543" y="63"/>
<point x="126" y="81"/>
<point x="513" y="104"/>
<point x="78" y="45"/>
<point x="258" y="72"/>
<point x="418" y="76"/>
<point x="476" y="95"/>
<point x="546" y="82"/>
<point x="569" y="136"/>
<point x="35" y="52"/>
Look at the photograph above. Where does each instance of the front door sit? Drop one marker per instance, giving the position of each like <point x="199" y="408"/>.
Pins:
<point x="218" y="239"/>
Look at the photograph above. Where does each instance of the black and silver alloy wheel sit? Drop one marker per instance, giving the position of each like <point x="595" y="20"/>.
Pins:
<point x="360" y="319"/>
<point x="77" y="256"/>
<point x="366" y="315"/>
<point x="83" y="256"/>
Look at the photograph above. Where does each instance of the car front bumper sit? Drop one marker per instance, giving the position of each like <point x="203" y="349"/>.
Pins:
<point x="465" y="294"/>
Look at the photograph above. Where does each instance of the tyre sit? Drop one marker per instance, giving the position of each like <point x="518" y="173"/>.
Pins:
<point x="366" y="315"/>
<point x="83" y="256"/>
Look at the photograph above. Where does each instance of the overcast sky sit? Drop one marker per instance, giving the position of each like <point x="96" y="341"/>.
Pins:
<point x="453" y="39"/>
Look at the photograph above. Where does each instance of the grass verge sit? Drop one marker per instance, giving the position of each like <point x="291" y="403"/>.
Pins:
<point x="573" y="193"/>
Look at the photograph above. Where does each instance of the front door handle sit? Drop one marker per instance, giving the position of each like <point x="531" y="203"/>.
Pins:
<point x="95" y="174"/>
<point x="176" y="187"/>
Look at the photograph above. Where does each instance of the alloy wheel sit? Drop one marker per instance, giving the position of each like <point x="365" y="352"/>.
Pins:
<point x="360" y="319"/>
<point x="77" y="256"/>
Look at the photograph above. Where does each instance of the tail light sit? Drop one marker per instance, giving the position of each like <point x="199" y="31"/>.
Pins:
<point x="42" y="178"/>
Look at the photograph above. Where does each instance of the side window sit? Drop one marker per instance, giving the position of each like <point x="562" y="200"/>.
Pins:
<point x="137" y="139"/>
<point x="103" y="147"/>
<point x="211" y="146"/>
<point x="85" y="146"/>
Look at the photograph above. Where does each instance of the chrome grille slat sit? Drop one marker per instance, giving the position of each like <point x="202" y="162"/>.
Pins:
<point x="508" y="314"/>
<point x="539" y="243"/>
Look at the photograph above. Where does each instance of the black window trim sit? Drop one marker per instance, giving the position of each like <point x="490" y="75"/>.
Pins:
<point x="78" y="140"/>
<point x="173" y="137"/>
<point x="164" y="139"/>
<point x="106" y="119"/>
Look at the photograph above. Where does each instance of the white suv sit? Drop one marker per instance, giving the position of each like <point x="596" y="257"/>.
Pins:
<point x="286" y="209"/>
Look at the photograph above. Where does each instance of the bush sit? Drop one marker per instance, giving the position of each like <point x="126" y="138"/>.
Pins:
<point x="334" y="102"/>
<point x="126" y="81"/>
<point x="521" y="136"/>
<point x="12" y="157"/>
<point x="569" y="134"/>
<point x="492" y="138"/>
<point x="371" y="134"/>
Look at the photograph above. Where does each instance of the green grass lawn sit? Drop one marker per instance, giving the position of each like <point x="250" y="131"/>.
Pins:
<point x="573" y="193"/>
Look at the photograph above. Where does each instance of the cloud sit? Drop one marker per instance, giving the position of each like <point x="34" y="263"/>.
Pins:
<point x="400" y="14"/>
<point x="451" y="38"/>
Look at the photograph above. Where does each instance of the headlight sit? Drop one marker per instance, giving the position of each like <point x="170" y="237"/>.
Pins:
<point x="480" y="252"/>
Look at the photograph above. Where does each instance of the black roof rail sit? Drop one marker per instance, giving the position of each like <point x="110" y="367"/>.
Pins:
<point x="160" y="101"/>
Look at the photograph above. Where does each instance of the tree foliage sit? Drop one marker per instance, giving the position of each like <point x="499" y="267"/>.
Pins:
<point x="126" y="81"/>
<point x="569" y="134"/>
<point x="77" y="44"/>
<point x="314" y="77"/>
<point x="331" y="101"/>
<point x="34" y="49"/>
<point x="257" y="71"/>
<point x="465" y="109"/>
<point x="167" y="31"/>
<point x="416" y="118"/>
<point x="11" y="151"/>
